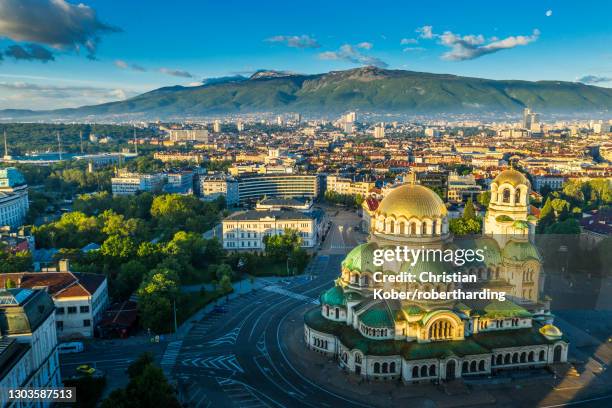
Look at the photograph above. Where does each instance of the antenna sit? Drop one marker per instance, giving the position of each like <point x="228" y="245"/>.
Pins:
<point x="135" y="142"/>
<point x="81" y="139"/>
<point x="59" y="145"/>
<point x="5" y="145"/>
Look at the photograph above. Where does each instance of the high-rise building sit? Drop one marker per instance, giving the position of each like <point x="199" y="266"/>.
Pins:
<point x="379" y="131"/>
<point x="350" y="117"/>
<point x="240" y="126"/>
<point x="188" y="135"/>
<point x="217" y="126"/>
<point x="531" y="120"/>
<point x="279" y="120"/>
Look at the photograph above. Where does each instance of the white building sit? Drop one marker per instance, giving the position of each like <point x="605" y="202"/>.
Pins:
<point x="127" y="183"/>
<point x="28" y="343"/>
<point x="343" y="185"/>
<point x="188" y="135"/>
<point x="215" y="185"/>
<point x="553" y="181"/>
<point x="217" y="126"/>
<point x="13" y="198"/>
<point x="79" y="298"/>
<point x="247" y="229"/>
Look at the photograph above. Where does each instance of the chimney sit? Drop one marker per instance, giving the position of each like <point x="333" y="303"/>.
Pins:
<point x="64" y="265"/>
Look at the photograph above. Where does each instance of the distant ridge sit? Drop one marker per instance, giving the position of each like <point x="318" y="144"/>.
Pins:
<point x="368" y="89"/>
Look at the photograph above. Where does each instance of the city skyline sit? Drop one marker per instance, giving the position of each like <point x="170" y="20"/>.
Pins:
<point x="100" y="51"/>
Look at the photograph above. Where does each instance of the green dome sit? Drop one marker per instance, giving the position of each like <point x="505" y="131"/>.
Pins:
<point x="333" y="297"/>
<point x="436" y="268"/>
<point x="492" y="254"/>
<point x="378" y="315"/>
<point x="520" y="251"/>
<point x="506" y="309"/>
<point x="361" y="258"/>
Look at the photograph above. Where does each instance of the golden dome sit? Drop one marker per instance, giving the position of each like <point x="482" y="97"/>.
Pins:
<point x="511" y="176"/>
<point x="412" y="200"/>
<point x="550" y="331"/>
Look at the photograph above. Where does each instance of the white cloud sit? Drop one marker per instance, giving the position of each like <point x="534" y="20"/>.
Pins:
<point x="426" y="32"/>
<point x="471" y="46"/>
<point x="295" y="41"/>
<point x="365" y="45"/>
<point x="26" y="95"/>
<point x="413" y="49"/>
<point x="351" y="54"/>
<point x="124" y="65"/>
<point x="406" y="41"/>
<point x="548" y="13"/>
<point x="593" y="79"/>
<point x="176" y="73"/>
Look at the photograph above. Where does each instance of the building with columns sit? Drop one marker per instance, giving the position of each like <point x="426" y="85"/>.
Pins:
<point x="431" y="340"/>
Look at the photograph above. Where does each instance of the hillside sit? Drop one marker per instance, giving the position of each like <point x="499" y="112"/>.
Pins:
<point x="368" y="89"/>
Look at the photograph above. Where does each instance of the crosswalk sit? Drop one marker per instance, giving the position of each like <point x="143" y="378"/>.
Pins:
<point x="224" y="362"/>
<point x="169" y="358"/>
<point x="285" y="292"/>
<point x="241" y="394"/>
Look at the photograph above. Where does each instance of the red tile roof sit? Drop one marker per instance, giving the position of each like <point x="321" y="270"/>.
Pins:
<point x="58" y="284"/>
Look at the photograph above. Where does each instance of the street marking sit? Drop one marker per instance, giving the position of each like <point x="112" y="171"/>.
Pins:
<point x="245" y="398"/>
<point x="224" y="362"/>
<point x="169" y="358"/>
<point x="228" y="338"/>
<point x="298" y="296"/>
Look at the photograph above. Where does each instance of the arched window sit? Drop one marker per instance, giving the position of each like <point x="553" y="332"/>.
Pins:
<point x="530" y="357"/>
<point x="507" y="359"/>
<point x="432" y="370"/>
<point x="523" y="357"/>
<point x="391" y="227"/>
<point x="337" y="313"/>
<point x="424" y="371"/>
<point x="517" y="196"/>
<point x="415" y="372"/>
<point x="481" y="365"/>
<point x="413" y="229"/>
<point x="358" y="358"/>
<point x="542" y="355"/>
<point x="473" y="366"/>
<point x="506" y="195"/>
<point x="402" y="228"/>
<point x="377" y="368"/>
<point x="464" y="367"/>
<point x="499" y="359"/>
<point x="385" y="367"/>
<point x="515" y="358"/>
<point x="433" y="227"/>
<point x="392" y="367"/>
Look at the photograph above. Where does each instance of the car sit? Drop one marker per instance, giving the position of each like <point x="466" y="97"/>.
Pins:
<point x="86" y="369"/>
<point x="70" y="347"/>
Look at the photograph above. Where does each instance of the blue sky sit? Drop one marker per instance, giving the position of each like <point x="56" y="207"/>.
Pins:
<point x="112" y="49"/>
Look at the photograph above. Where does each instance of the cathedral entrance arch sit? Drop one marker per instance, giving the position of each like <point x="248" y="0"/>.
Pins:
<point x="450" y="370"/>
<point x="557" y="354"/>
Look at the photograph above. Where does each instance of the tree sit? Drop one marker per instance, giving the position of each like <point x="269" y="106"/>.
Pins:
<point x="547" y="216"/>
<point x="155" y="296"/>
<point x="468" y="211"/>
<point x="148" y="387"/>
<point x="15" y="262"/>
<point x="280" y="246"/>
<point x="129" y="278"/>
<point x="460" y="226"/>
<point x="484" y="198"/>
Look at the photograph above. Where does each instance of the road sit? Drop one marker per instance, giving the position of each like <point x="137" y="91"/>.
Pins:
<point x="240" y="356"/>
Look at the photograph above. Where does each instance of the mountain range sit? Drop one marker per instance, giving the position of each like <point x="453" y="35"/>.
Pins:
<point x="368" y="89"/>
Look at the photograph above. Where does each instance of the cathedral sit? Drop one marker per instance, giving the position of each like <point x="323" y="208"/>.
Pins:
<point x="429" y="340"/>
